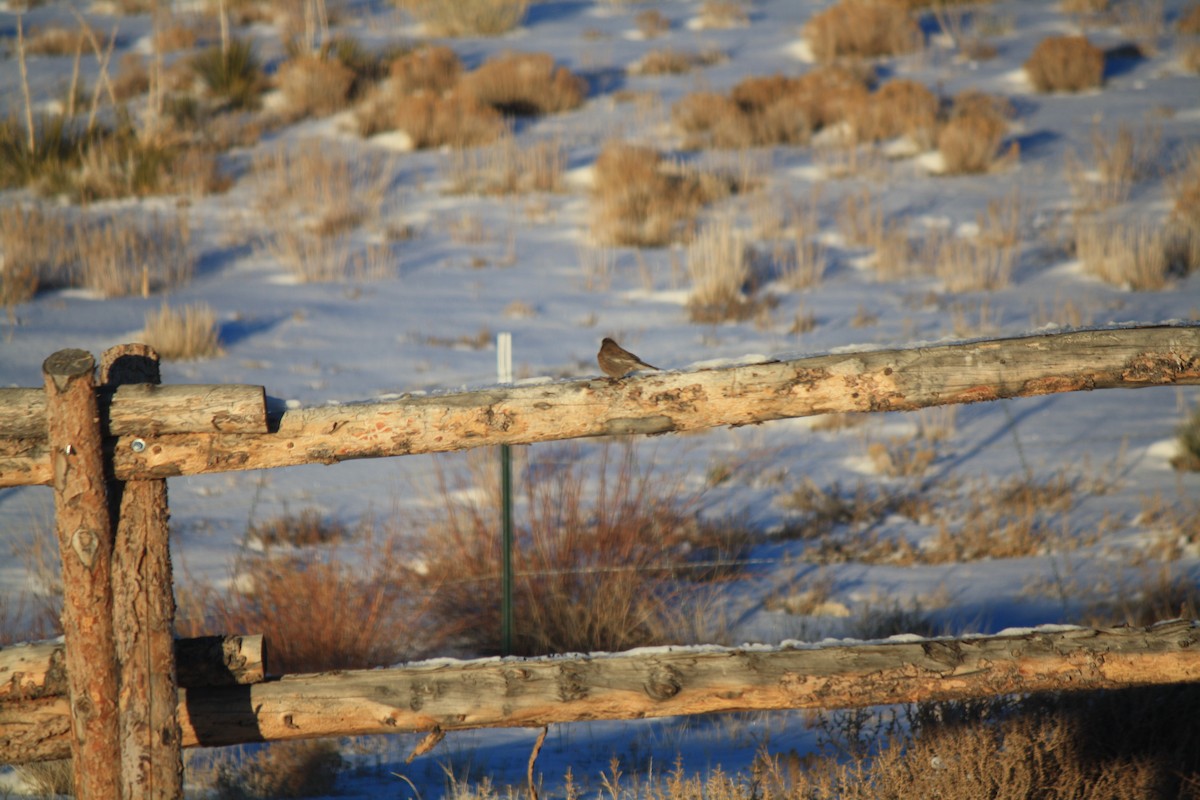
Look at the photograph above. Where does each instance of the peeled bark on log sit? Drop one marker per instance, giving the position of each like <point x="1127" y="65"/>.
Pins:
<point x="38" y="670"/>
<point x="85" y="545"/>
<point x="456" y="695"/>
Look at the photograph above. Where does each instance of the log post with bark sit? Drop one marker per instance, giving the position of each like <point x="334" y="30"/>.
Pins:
<point x="85" y="546"/>
<point x="143" y="611"/>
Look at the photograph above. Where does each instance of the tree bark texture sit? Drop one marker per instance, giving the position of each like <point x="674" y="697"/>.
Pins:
<point x="662" y="402"/>
<point x="85" y="545"/>
<point x="143" y="612"/>
<point x="38" y="670"/>
<point x="455" y="695"/>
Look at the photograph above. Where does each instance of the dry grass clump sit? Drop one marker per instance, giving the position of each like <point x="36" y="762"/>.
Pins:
<point x="767" y="110"/>
<point x="669" y="61"/>
<point x="721" y="269"/>
<point x="507" y="167"/>
<point x="718" y="14"/>
<point x="642" y="199"/>
<point x="1188" y="434"/>
<point x="596" y="562"/>
<point x="525" y="84"/>
<point x="54" y="40"/>
<point x="130" y="253"/>
<point x="468" y="17"/>
<point x="184" y="334"/>
<point x="1084" y="6"/>
<point x="308" y="528"/>
<point x="651" y="23"/>
<point x="861" y="29"/>
<point x="970" y="140"/>
<point x="1139" y="255"/>
<point x="231" y="73"/>
<point x="1065" y="64"/>
<point x="321" y="608"/>
<point x="984" y="261"/>
<point x="34" y="251"/>
<point x="314" y="85"/>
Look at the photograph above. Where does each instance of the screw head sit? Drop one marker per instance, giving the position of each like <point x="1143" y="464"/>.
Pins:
<point x="137" y="445"/>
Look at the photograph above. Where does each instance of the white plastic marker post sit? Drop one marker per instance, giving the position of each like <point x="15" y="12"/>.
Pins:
<point x="504" y="372"/>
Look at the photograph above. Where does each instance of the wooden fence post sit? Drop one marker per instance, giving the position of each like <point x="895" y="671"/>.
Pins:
<point x="85" y="545"/>
<point x="143" y="612"/>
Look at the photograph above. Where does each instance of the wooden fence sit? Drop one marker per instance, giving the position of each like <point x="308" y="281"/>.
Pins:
<point x="109" y="698"/>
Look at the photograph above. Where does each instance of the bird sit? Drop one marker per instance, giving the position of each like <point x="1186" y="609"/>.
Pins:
<point x="617" y="362"/>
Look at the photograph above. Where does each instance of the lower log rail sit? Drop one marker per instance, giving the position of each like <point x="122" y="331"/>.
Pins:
<point x="449" y="695"/>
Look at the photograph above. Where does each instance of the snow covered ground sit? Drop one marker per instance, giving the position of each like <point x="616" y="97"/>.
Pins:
<point x="529" y="267"/>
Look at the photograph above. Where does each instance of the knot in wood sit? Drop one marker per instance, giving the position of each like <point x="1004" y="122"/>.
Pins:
<point x="572" y="682"/>
<point x="85" y="543"/>
<point x="663" y="682"/>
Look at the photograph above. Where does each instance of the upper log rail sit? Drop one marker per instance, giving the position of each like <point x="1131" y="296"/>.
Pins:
<point x="880" y="380"/>
<point x="445" y="694"/>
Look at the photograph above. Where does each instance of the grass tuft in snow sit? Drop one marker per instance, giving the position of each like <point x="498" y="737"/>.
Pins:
<point x="1065" y="64"/>
<point x="183" y="334"/>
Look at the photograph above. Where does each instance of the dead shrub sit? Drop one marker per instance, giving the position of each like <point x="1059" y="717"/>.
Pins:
<point x="525" y="84"/>
<point x="1189" y="57"/>
<point x="301" y="768"/>
<point x="321" y="611"/>
<point x="314" y="85"/>
<point x="900" y="107"/>
<point x="1189" y="21"/>
<point x="969" y="142"/>
<point x="429" y="69"/>
<point x="432" y="120"/>
<point x="184" y="334"/>
<point x="306" y="529"/>
<point x="595" y="569"/>
<point x="861" y="29"/>
<point x="651" y="23"/>
<point x="54" y="40"/>
<point x="468" y="17"/>
<point x="709" y="119"/>
<point x="775" y="109"/>
<point x="672" y="62"/>
<point x="1065" y="64"/>
<point x="644" y="200"/>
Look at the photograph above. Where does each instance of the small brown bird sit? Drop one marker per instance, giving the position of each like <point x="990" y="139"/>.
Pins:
<point x="617" y="362"/>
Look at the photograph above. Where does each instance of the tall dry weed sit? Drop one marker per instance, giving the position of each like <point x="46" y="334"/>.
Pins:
<point x="597" y="544"/>
<point x="34" y="249"/>
<point x="132" y="254"/>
